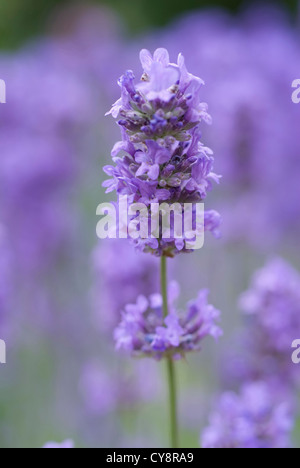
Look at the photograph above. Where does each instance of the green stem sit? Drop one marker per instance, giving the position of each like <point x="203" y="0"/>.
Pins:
<point x="170" y="363"/>
<point x="164" y="285"/>
<point x="173" y="404"/>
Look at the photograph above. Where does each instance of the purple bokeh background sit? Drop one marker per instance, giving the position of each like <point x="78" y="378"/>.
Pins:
<point x="62" y="291"/>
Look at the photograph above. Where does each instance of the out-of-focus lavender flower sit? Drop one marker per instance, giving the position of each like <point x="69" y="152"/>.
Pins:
<point x="121" y="274"/>
<point x="256" y="418"/>
<point x="273" y="307"/>
<point x="98" y="390"/>
<point x="248" y="68"/>
<point x="48" y="106"/>
<point x="5" y="278"/>
<point x="107" y="390"/>
<point x="45" y="96"/>
<point x="67" y="444"/>
<point x="44" y="124"/>
<point x="91" y="46"/>
<point x="144" y="331"/>
<point x="274" y="302"/>
<point x="161" y="157"/>
<point x="35" y="177"/>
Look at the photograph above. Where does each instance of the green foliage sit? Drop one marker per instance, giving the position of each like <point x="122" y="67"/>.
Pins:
<point x="22" y="19"/>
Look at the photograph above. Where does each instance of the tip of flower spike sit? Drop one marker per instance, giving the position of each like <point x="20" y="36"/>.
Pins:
<point x="161" y="56"/>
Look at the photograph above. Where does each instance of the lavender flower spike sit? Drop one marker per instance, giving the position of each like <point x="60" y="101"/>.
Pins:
<point x="256" y="418"/>
<point x="272" y="305"/>
<point x="145" y="332"/>
<point x="161" y="156"/>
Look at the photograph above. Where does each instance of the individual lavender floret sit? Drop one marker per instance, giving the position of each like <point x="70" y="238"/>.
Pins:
<point x="273" y="306"/>
<point x="67" y="444"/>
<point x="145" y="332"/>
<point x="257" y="418"/>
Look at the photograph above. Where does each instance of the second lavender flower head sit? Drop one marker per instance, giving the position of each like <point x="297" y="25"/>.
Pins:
<point x="144" y="331"/>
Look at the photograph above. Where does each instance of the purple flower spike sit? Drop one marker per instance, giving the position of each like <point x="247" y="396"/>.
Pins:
<point x="257" y="418"/>
<point x="272" y="307"/>
<point x="161" y="157"/>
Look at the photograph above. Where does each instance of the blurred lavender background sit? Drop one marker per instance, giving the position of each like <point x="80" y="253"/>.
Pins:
<point x="61" y="290"/>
